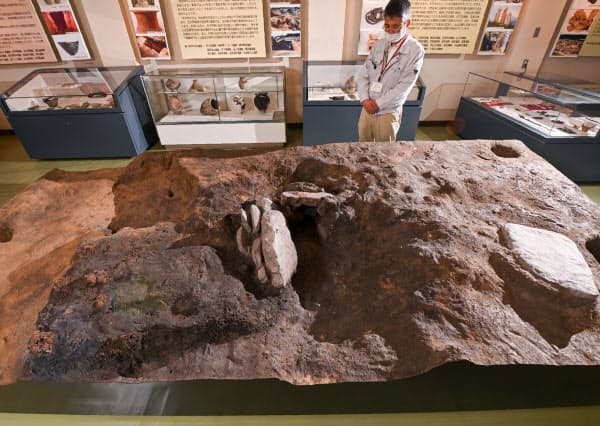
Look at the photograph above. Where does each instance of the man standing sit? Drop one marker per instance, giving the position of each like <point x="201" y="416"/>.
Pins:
<point x="388" y="75"/>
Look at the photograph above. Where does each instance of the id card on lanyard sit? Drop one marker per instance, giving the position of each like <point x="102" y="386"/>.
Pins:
<point x="376" y="86"/>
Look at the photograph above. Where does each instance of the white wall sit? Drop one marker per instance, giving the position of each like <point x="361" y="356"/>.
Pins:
<point x="326" y="29"/>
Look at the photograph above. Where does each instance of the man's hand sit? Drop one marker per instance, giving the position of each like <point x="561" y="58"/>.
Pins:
<point x="370" y="105"/>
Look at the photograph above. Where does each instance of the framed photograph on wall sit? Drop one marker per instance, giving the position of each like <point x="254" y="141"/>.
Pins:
<point x="501" y="22"/>
<point x="148" y="24"/>
<point x="574" y="30"/>
<point x="62" y="25"/>
<point x="286" y="28"/>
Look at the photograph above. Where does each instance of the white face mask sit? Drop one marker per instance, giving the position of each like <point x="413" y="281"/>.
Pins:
<point x="394" y="38"/>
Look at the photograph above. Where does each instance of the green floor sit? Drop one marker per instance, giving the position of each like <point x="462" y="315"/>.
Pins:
<point x="17" y="170"/>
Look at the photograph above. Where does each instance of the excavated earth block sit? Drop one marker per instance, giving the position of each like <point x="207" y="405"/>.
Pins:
<point x="409" y="256"/>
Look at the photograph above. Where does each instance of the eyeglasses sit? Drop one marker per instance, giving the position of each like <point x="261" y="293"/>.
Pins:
<point x="393" y="27"/>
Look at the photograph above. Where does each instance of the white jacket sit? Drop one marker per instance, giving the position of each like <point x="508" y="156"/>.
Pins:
<point x="397" y="81"/>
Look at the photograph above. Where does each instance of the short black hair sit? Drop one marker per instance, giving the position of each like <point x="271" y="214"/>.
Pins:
<point x="397" y="9"/>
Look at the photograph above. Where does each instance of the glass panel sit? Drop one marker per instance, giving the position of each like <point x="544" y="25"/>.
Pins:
<point x="519" y="100"/>
<point x="60" y="88"/>
<point x="566" y="90"/>
<point x="337" y="82"/>
<point x="196" y="96"/>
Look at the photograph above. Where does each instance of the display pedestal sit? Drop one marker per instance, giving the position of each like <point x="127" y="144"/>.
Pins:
<point x="217" y="134"/>
<point x="339" y="123"/>
<point x="327" y="119"/>
<point x="123" y="130"/>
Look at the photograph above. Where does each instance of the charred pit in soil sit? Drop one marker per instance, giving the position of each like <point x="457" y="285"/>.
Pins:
<point x="6" y="233"/>
<point x="593" y="247"/>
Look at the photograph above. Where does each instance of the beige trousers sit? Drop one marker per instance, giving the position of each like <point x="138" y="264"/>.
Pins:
<point x="379" y="128"/>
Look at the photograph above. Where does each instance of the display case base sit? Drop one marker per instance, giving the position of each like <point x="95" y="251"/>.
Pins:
<point x="217" y="134"/>
<point x="123" y="131"/>
<point x="339" y="123"/>
<point x="576" y="157"/>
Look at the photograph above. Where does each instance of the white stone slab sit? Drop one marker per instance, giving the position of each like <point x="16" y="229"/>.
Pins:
<point x="553" y="257"/>
<point x="279" y="251"/>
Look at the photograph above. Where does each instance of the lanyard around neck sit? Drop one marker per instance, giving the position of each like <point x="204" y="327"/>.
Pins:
<point x="387" y="62"/>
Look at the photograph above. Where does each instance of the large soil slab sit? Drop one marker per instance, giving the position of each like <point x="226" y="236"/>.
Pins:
<point x="344" y="262"/>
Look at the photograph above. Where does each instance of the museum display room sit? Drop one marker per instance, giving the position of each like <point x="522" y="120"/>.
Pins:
<point x="190" y="233"/>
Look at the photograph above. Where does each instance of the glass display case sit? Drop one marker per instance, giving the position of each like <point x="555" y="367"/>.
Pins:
<point x="80" y="112"/>
<point x="577" y="93"/>
<point x="336" y="81"/>
<point x="331" y="96"/>
<point x="226" y="106"/>
<point x="556" y="121"/>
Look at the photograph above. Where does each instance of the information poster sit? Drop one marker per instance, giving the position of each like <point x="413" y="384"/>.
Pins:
<point x="64" y="29"/>
<point x="149" y="28"/>
<point x="502" y="19"/>
<point x="212" y="29"/>
<point x="575" y="29"/>
<point x="286" y="19"/>
<point x="22" y="37"/>
<point x="442" y="26"/>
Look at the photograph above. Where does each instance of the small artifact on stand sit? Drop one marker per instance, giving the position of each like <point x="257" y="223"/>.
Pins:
<point x="196" y="86"/>
<point x="238" y="104"/>
<point x="262" y="101"/>
<point x="175" y="105"/>
<point x="209" y="107"/>
<point x="71" y="47"/>
<point x="583" y="127"/>
<point x="51" y="101"/>
<point x="172" y="84"/>
<point x="243" y="82"/>
<point x="97" y="95"/>
<point x="350" y="87"/>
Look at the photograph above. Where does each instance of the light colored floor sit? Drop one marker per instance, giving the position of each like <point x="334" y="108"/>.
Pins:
<point x="579" y="416"/>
